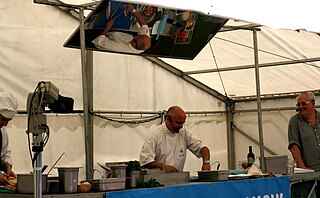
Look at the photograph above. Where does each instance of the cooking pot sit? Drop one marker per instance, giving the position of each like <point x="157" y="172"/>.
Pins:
<point x="118" y="171"/>
<point x="107" y="184"/>
<point x="213" y="175"/>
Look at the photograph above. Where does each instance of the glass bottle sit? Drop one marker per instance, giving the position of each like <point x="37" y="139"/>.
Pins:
<point x="250" y="156"/>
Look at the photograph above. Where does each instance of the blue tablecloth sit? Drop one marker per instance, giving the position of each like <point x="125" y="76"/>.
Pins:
<point x="262" y="187"/>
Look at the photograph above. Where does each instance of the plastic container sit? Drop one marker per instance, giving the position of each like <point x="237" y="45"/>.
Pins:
<point x="68" y="179"/>
<point x="276" y="164"/>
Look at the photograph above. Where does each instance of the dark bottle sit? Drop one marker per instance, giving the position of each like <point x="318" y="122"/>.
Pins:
<point x="250" y="156"/>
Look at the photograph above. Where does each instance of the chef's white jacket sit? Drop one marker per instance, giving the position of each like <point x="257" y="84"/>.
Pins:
<point x="119" y="41"/>
<point x="169" y="148"/>
<point x="5" y="151"/>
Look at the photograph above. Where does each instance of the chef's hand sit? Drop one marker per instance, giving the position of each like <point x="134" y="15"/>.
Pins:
<point x="3" y="178"/>
<point x="168" y="168"/>
<point x="10" y="173"/>
<point x="129" y="8"/>
<point x="206" y="166"/>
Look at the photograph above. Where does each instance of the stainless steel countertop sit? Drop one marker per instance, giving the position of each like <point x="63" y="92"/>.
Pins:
<point x="304" y="176"/>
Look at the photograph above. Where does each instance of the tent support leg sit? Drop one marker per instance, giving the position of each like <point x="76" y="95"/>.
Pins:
<point x="230" y="135"/>
<point x="256" y="63"/>
<point x="87" y="86"/>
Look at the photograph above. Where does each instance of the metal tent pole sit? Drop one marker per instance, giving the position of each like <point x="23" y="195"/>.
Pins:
<point x="37" y="177"/>
<point x="230" y="135"/>
<point x="87" y="98"/>
<point x="256" y="63"/>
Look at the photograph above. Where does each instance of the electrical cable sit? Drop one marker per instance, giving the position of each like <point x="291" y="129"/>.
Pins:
<point x="131" y="120"/>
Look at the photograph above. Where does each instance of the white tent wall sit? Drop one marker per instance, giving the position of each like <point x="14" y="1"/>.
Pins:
<point x="32" y="38"/>
<point x="111" y="144"/>
<point x="142" y="86"/>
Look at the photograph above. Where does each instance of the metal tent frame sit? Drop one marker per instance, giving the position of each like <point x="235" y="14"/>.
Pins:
<point x="77" y="11"/>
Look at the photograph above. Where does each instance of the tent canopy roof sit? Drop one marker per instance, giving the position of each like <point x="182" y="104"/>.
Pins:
<point x="289" y="60"/>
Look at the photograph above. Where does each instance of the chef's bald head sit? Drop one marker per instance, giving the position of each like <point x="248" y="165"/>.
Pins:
<point x="175" y="110"/>
<point x="8" y="104"/>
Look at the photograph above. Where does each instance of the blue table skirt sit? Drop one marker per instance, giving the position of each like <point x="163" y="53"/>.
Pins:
<point x="251" y="188"/>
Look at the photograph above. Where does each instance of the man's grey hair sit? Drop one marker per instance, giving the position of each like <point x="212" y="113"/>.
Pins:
<point x="310" y="95"/>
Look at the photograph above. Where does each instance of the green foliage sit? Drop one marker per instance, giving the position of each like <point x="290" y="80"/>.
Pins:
<point x="151" y="183"/>
<point x="131" y="166"/>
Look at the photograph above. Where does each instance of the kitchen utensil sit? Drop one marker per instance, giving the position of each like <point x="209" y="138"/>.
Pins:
<point x="44" y="168"/>
<point x="56" y="162"/>
<point x="98" y="172"/>
<point x="108" y="170"/>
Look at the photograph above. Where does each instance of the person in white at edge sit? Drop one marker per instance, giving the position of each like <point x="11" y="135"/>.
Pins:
<point x="8" y="108"/>
<point x="166" y="147"/>
<point x="123" y="42"/>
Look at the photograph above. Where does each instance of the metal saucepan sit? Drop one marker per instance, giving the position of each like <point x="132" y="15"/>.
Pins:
<point x="213" y="175"/>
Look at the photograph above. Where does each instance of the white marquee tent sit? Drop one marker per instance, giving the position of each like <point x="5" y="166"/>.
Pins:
<point x="32" y="38"/>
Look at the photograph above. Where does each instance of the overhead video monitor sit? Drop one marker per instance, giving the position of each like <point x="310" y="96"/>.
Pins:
<point x="121" y="27"/>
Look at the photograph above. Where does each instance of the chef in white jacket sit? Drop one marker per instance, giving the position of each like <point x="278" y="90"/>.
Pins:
<point x="8" y="108"/>
<point x="166" y="147"/>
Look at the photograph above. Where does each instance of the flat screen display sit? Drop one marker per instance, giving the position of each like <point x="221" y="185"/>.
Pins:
<point x="120" y="27"/>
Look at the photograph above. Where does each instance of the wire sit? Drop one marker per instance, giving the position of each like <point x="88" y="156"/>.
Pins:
<point x="260" y="50"/>
<point x="218" y="164"/>
<point x="131" y="120"/>
<point x="115" y="10"/>
<point x="215" y="61"/>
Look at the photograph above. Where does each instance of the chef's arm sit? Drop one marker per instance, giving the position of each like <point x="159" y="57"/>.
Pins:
<point x="7" y="168"/>
<point x="164" y="167"/>
<point x="108" y="26"/>
<point x="295" y="151"/>
<point x="135" y="13"/>
<point x="205" y="154"/>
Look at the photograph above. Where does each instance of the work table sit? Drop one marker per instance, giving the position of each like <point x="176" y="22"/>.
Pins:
<point x="246" y="187"/>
